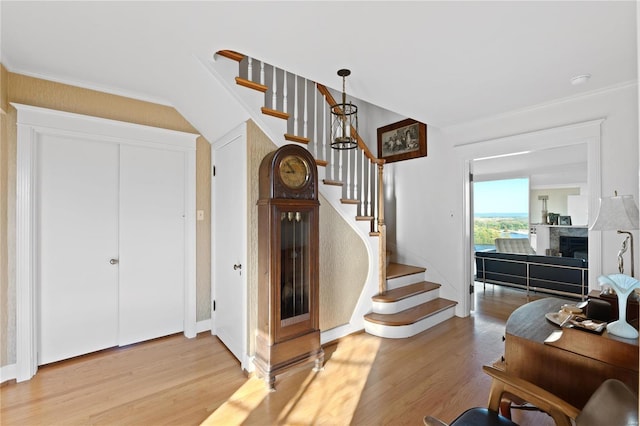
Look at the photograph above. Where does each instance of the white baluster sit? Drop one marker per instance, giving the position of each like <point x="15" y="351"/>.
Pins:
<point x="369" y="188"/>
<point x="332" y="163"/>
<point x="305" y="113"/>
<point x="285" y="91"/>
<point x="356" y="195"/>
<point x="363" y="194"/>
<point x="250" y="68"/>
<point x="274" y="84"/>
<point x="340" y="162"/>
<point x="315" y="123"/>
<point x="376" y="199"/>
<point x="295" y="105"/>
<point x="262" y="73"/>
<point x="348" y="151"/>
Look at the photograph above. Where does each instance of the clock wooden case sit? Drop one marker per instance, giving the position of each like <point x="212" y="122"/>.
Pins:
<point x="288" y="332"/>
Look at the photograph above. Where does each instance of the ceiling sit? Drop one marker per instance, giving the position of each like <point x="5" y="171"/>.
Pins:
<point x="559" y="167"/>
<point x="442" y="63"/>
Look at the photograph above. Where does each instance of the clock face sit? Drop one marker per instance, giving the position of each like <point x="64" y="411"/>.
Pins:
<point x="294" y="171"/>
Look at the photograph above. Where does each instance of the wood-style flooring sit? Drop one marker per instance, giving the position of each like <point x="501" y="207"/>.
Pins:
<point x="366" y="380"/>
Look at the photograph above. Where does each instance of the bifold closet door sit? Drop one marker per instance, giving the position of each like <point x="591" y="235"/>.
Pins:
<point x="78" y="230"/>
<point x="111" y="246"/>
<point x="152" y="243"/>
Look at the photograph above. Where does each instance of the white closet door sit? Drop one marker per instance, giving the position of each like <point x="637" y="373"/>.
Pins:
<point x="229" y="244"/>
<point x="78" y="225"/>
<point x="152" y="241"/>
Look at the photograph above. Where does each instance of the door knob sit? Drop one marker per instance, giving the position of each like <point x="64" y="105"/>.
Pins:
<point x="113" y="261"/>
<point x="236" y="267"/>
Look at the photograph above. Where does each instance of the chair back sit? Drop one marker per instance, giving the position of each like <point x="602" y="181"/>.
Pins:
<point x="612" y="404"/>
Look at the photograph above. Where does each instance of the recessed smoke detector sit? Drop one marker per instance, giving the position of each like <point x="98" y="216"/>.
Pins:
<point x="580" y="79"/>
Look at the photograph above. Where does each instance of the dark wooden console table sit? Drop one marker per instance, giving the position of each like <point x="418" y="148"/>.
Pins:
<point x="572" y="364"/>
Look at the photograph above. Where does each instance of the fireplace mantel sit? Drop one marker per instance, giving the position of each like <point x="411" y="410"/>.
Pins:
<point x="545" y="239"/>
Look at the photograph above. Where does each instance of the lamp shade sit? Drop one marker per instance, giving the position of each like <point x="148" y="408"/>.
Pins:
<point x="615" y="213"/>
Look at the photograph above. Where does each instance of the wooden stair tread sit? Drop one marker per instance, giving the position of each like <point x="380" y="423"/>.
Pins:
<point x="364" y="217"/>
<point x="294" y="138"/>
<point x="400" y="293"/>
<point x="411" y="315"/>
<point x="332" y="182"/>
<point x="349" y="201"/>
<point x="322" y="163"/>
<point x="275" y="113"/>
<point x="396" y="270"/>
<point x="251" y="85"/>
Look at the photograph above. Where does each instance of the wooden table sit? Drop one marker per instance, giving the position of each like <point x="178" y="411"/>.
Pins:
<point x="572" y="364"/>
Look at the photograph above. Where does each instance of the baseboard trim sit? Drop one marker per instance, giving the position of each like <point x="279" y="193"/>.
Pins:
<point x="204" y="325"/>
<point x="7" y="372"/>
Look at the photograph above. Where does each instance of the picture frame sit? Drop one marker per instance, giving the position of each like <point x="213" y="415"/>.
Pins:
<point x="564" y="220"/>
<point x="403" y="140"/>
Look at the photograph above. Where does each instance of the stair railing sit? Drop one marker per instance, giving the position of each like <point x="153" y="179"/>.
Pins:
<point x="305" y="105"/>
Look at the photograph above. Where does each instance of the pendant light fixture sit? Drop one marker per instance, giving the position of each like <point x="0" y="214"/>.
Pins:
<point x="344" y="120"/>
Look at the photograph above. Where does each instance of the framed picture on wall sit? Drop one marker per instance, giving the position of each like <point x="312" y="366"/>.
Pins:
<point x="402" y="140"/>
<point x="564" y="220"/>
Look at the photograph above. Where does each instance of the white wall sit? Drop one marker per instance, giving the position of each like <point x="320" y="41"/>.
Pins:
<point x="429" y="192"/>
<point x="557" y="202"/>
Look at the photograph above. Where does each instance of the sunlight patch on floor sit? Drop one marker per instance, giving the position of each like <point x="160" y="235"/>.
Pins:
<point x="319" y="402"/>
<point x="305" y="397"/>
<point x="237" y="408"/>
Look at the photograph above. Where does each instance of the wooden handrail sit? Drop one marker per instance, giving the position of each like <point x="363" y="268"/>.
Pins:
<point x="230" y="54"/>
<point x="322" y="89"/>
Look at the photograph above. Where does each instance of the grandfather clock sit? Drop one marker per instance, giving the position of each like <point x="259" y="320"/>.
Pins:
<point x="288" y="330"/>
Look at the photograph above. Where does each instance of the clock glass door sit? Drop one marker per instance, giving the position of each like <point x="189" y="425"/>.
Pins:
<point x="294" y="263"/>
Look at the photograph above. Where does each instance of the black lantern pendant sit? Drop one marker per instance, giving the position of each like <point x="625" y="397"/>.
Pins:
<point x="344" y="120"/>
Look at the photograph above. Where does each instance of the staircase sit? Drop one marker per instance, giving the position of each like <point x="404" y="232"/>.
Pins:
<point x="409" y="306"/>
<point x="291" y="109"/>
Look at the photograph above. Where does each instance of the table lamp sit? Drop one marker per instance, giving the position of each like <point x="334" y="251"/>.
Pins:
<point x="619" y="213"/>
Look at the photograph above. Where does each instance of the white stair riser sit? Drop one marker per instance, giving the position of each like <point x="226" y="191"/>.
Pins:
<point x="401" y="305"/>
<point x="404" y="331"/>
<point x="405" y="280"/>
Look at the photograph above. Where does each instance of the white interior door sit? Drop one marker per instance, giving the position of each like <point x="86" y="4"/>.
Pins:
<point x="152" y="243"/>
<point x="78" y="224"/>
<point x="229" y="243"/>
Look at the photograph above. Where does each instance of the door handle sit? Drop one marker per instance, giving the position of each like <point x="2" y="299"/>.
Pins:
<point x="236" y="267"/>
<point x="113" y="261"/>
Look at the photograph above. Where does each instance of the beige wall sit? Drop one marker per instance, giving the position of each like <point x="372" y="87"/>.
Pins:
<point x="203" y="230"/>
<point x="33" y="91"/>
<point x="4" y="192"/>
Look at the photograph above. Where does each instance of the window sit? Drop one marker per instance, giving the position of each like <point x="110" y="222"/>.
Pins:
<point x="500" y="210"/>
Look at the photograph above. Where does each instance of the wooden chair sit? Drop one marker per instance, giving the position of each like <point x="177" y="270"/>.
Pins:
<point x="612" y="404"/>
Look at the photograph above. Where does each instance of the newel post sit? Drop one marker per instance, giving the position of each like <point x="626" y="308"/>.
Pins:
<point x="382" y="231"/>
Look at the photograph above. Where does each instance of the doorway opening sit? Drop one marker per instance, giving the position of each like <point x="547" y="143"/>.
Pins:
<point x="540" y="155"/>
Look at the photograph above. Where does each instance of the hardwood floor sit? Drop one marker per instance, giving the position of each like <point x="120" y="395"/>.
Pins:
<point x="366" y="380"/>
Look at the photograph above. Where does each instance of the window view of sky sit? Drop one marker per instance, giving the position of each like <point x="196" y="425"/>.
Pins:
<point x="501" y="196"/>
